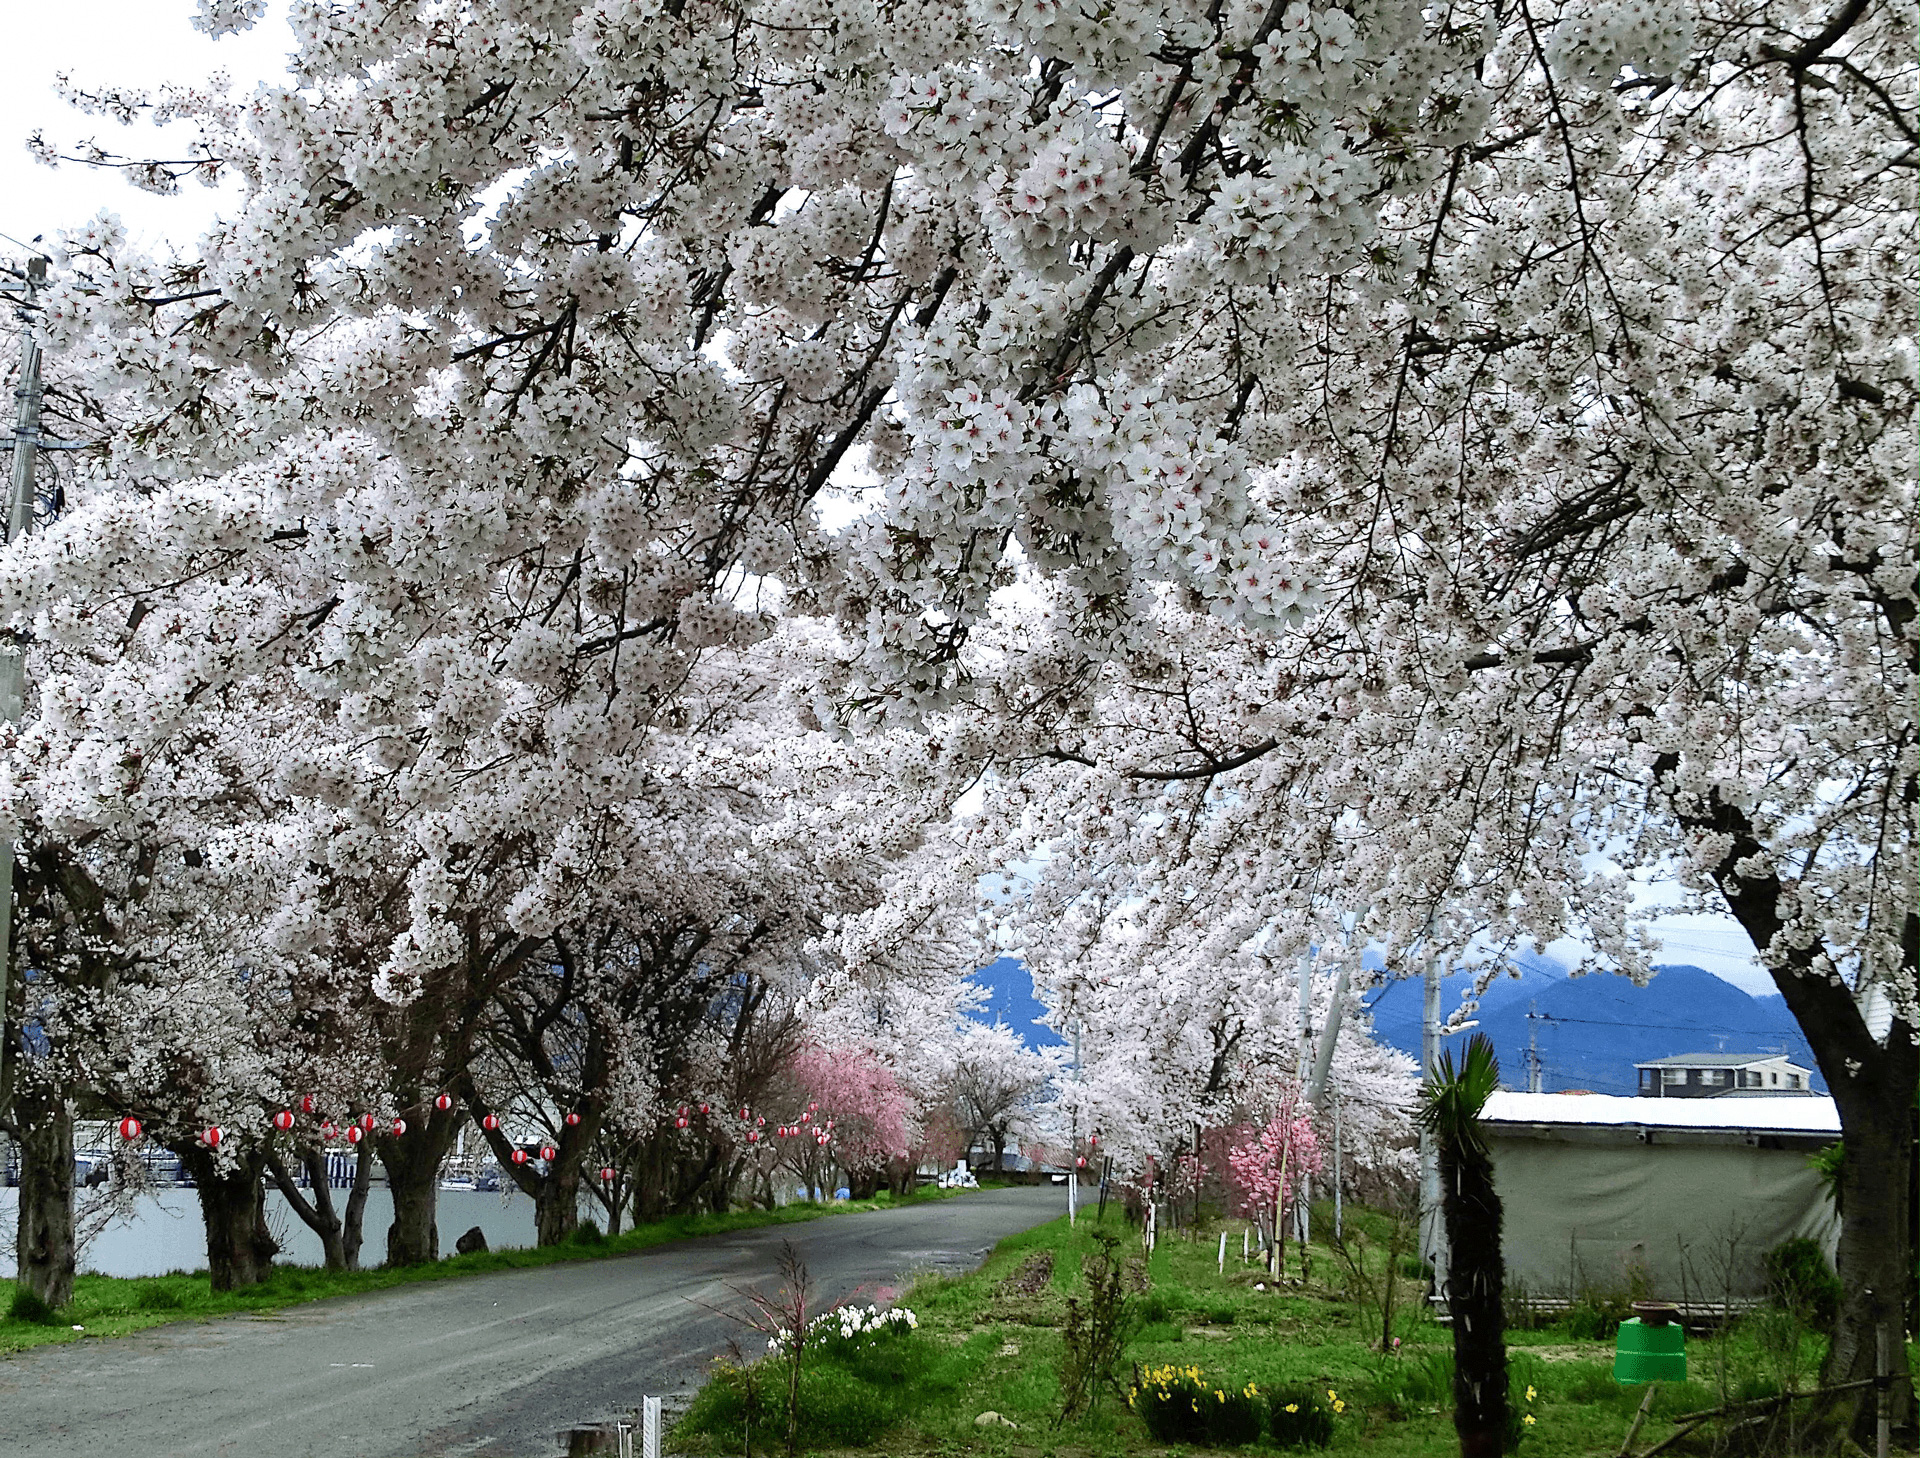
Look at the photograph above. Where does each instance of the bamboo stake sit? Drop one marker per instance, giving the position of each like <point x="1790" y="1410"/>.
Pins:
<point x="1646" y="1405"/>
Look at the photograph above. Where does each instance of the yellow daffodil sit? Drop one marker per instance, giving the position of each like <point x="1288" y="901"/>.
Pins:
<point x="1338" y="1405"/>
<point x="1528" y="1419"/>
<point x="1293" y="1407"/>
<point x="1530" y="1393"/>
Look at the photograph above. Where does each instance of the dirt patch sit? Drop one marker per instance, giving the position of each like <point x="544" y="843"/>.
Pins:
<point x="1033" y="1277"/>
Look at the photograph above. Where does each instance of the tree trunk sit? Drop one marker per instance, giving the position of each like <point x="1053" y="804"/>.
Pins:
<point x="233" y="1202"/>
<point x="317" y="1213"/>
<point x="44" y="1234"/>
<point x="1875" y="1258"/>
<point x="1476" y="1278"/>
<point x="412" y="1161"/>
<point x="1873" y="1086"/>
<point x="353" y="1226"/>
<point x="556" y="1204"/>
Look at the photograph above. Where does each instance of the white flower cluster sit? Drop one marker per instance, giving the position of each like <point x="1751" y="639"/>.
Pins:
<point x="1307" y="210"/>
<point x="850" y="1324"/>
<point x="1597" y="39"/>
<point x="1076" y="186"/>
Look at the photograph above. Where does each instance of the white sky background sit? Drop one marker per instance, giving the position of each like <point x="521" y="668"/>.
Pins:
<point x="132" y="43"/>
<point x="145" y="43"/>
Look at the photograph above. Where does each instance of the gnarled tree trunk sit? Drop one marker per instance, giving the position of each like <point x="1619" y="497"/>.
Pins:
<point x="556" y="1204"/>
<point x="233" y="1202"/>
<point x="316" y="1213"/>
<point x="412" y="1161"/>
<point x="44" y="1241"/>
<point x="1873" y="1083"/>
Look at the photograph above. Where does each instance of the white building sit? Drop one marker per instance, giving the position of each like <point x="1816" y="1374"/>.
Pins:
<point x="1714" y="1075"/>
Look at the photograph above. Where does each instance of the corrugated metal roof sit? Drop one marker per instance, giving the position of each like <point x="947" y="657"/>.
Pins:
<point x="1716" y="1060"/>
<point x="1773" y="1113"/>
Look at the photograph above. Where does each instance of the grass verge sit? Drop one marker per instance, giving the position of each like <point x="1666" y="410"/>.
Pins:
<point x="992" y="1345"/>
<point x="117" y="1305"/>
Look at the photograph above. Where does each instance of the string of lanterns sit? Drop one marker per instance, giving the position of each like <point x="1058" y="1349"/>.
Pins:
<point x="809" y="1124"/>
<point x="132" y="1130"/>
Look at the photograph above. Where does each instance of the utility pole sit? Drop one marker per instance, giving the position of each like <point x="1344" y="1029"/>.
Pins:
<point x="1433" y="1235"/>
<point x="13" y="664"/>
<point x="1073" y="1136"/>
<point x="1533" y="1047"/>
<point x="1303" y="1062"/>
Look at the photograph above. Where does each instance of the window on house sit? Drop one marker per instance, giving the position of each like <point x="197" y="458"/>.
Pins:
<point x="1793" y="1080"/>
<point x="1716" y="1077"/>
<point x="1773" y="1078"/>
<point x="1673" y="1076"/>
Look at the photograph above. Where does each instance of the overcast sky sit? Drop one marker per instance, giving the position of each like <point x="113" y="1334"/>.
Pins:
<point x="146" y="43"/>
<point x="130" y="43"/>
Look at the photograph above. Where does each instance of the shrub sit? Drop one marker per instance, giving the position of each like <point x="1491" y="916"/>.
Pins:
<point x="1236" y="1416"/>
<point x="1156" y="1307"/>
<point x="30" y="1308"/>
<point x="1800" y="1279"/>
<point x="1413" y="1383"/>
<point x="837" y="1409"/>
<point x="1098" y="1328"/>
<point x="1301" y="1416"/>
<point x="1596" y="1315"/>
<point x="587" y="1232"/>
<point x="1168" y="1400"/>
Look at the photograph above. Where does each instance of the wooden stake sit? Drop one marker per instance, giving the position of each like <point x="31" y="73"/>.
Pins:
<point x="1646" y="1405"/>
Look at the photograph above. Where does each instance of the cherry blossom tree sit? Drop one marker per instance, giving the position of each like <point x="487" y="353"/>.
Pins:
<point x="1269" y="1164"/>
<point x="862" y="1111"/>
<point x="1514" y="403"/>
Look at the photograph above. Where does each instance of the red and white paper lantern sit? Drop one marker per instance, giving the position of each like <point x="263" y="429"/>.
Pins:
<point x="355" y="1134"/>
<point x="704" y="1108"/>
<point x="443" y="1103"/>
<point x="211" y="1136"/>
<point x="606" y="1174"/>
<point x="329" y="1130"/>
<point x="573" y="1120"/>
<point x="283" y="1120"/>
<point x="366" y="1122"/>
<point x="399" y="1127"/>
<point x="519" y="1156"/>
<point x="306" y="1103"/>
<point x="490" y="1123"/>
<point x="548" y="1153"/>
<point x="130" y="1129"/>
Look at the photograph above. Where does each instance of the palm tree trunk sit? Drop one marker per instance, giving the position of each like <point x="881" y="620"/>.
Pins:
<point x="1476" y="1277"/>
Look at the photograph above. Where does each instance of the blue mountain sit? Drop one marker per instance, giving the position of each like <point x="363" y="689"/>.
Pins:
<point x="1010" y="1000"/>
<point x="1591" y="1030"/>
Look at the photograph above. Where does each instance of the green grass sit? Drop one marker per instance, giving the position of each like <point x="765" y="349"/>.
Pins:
<point x="117" y="1305"/>
<point x="998" y="1351"/>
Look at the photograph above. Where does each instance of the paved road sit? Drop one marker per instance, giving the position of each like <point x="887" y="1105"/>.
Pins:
<point x="492" y="1366"/>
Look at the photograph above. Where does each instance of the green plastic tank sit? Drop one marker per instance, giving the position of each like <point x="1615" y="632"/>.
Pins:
<point x="1644" y="1353"/>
